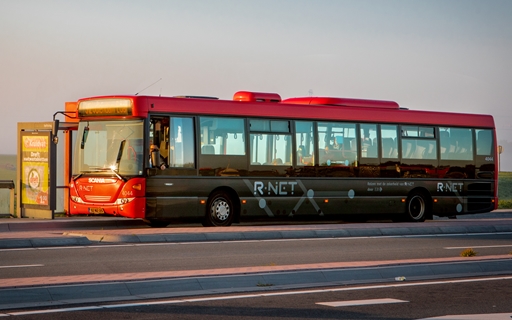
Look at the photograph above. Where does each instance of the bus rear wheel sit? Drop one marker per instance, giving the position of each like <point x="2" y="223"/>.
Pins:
<point x="417" y="208"/>
<point x="220" y="210"/>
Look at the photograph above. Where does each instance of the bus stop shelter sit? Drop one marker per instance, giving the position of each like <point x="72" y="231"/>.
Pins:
<point x="43" y="167"/>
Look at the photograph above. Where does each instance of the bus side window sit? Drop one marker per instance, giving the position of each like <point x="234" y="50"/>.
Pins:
<point x="389" y="142"/>
<point x="484" y="142"/>
<point x="369" y="146"/>
<point x="305" y="143"/>
<point x="456" y="143"/>
<point x="181" y="143"/>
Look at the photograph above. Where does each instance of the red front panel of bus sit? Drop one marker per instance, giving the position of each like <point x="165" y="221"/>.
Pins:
<point x="108" y="195"/>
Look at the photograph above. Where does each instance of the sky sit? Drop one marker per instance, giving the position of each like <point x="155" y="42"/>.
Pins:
<point x="443" y="55"/>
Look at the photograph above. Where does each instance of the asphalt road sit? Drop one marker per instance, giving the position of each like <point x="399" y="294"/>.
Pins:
<point x="151" y="257"/>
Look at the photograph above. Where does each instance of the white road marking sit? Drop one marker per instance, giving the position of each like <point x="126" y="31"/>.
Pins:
<point x="490" y="316"/>
<point x="479" y="247"/>
<point x="23" y="266"/>
<point x="258" y="295"/>
<point x="352" y="303"/>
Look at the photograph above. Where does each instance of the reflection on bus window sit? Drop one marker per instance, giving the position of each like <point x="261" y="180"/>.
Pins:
<point x="222" y="136"/>
<point x="456" y="143"/>
<point x="181" y="143"/>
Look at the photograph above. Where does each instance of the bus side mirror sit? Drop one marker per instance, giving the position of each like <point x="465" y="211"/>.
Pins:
<point x="55" y="130"/>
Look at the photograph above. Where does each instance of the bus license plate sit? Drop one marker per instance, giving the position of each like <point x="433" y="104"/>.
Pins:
<point x="96" y="210"/>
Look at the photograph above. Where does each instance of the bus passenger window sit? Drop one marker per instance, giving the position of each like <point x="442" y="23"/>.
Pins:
<point x="388" y="134"/>
<point x="456" y="144"/>
<point x="226" y="135"/>
<point x="368" y="136"/>
<point x="337" y="144"/>
<point x="181" y="143"/>
<point x="270" y="149"/>
<point x="305" y="143"/>
<point x="484" y="142"/>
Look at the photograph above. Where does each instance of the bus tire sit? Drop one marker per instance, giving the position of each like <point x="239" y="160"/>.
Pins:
<point x="417" y="207"/>
<point x="220" y="210"/>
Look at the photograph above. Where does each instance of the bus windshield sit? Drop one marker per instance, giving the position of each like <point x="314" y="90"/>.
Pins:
<point x="107" y="147"/>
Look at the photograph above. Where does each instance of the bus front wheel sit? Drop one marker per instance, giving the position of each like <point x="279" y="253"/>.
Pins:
<point x="416" y="207"/>
<point x="220" y="210"/>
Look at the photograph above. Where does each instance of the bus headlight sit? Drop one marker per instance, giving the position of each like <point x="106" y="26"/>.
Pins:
<point x="77" y="199"/>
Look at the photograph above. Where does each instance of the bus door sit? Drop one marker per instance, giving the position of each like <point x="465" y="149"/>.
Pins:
<point x="167" y="191"/>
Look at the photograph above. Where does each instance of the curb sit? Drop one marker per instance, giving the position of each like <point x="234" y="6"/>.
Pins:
<point x="44" y="242"/>
<point x="281" y="234"/>
<point x="89" y="237"/>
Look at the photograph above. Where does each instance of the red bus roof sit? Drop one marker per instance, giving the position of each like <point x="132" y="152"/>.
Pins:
<point x="345" y="102"/>
<point x="312" y="108"/>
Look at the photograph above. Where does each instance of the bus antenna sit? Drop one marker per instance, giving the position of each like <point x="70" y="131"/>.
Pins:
<point x="149" y="86"/>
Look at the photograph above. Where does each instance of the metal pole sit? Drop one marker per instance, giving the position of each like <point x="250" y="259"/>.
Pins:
<point x="500" y="150"/>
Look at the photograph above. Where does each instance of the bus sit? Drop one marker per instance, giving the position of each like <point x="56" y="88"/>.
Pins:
<point x="166" y="159"/>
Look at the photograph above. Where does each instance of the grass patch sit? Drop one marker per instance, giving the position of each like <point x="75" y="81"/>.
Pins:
<point x="505" y="190"/>
<point x="505" y="204"/>
<point x="264" y="284"/>
<point x="468" y="253"/>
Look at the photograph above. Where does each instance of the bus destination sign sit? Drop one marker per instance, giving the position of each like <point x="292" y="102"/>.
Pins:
<point x="105" y="107"/>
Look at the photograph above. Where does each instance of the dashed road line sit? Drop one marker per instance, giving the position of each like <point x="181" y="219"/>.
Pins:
<point x="353" y="303"/>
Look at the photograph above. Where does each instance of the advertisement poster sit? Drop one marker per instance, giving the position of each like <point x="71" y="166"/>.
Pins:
<point x="35" y="175"/>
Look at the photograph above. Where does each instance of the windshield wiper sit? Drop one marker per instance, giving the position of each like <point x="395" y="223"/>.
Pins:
<point x="84" y="137"/>
<point x="118" y="160"/>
